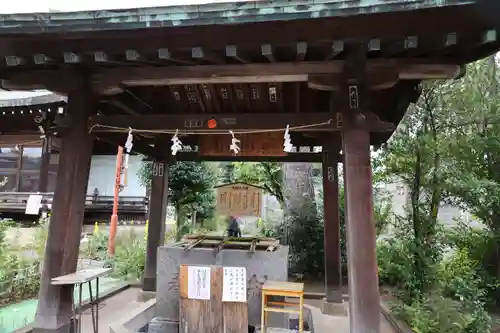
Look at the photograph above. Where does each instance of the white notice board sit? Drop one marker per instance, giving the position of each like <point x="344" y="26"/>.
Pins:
<point x="33" y="205"/>
<point x="234" y="285"/>
<point x="199" y="282"/>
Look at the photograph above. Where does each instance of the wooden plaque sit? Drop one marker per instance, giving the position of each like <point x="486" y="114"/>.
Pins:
<point x="239" y="199"/>
<point x="210" y="316"/>
<point x="258" y="144"/>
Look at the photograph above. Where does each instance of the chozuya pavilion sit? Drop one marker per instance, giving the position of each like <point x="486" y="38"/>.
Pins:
<point x="340" y="74"/>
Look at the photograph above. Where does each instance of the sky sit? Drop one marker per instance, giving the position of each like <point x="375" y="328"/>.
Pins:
<point x="31" y="6"/>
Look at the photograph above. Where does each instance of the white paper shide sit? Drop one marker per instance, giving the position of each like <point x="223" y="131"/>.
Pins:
<point x="199" y="282"/>
<point x="234" y="287"/>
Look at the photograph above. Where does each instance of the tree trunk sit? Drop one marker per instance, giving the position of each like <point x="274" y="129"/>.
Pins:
<point x="300" y="218"/>
<point x="193" y="218"/>
<point x="298" y="187"/>
<point x="178" y="222"/>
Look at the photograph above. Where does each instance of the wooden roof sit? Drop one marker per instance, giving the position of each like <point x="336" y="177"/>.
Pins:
<point x="239" y="63"/>
<point x="206" y="14"/>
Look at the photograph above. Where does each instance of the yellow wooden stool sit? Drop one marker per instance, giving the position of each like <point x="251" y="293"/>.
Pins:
<point x="284" y="289"/>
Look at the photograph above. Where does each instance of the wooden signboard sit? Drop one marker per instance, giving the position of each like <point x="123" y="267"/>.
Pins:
<point x="197" y="314"/>
<point x="239" y="199"/>
<point x="256" y="144"/>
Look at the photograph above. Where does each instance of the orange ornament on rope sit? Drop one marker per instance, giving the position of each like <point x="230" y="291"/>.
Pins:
<point x="212" y="123"/>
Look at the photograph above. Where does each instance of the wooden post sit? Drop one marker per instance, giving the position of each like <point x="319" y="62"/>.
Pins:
<point x="45" y="165"/>
<point x="157" y="212"/>
<point x="364" y="293"/>
<point x="61" y="253"/>
<point x="20" y="149"/>
<point x="333" y="264"/>
<point x="114" y="216"/>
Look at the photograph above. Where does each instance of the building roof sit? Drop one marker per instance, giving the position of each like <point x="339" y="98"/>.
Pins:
<point x="206" y="14"/>
<point x="12" y="99"/>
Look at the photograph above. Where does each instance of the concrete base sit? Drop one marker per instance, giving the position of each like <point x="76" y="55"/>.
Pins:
<point x="149" y="283"/>
<point x="134" y="317"/>
<point x="68" y="328"/>
<point x="333" y="309"/>
<point x="145" y="296"/>
<point x="260" y="265"/>
<point x="280" y="330"/>
<point x="162" y="325"/>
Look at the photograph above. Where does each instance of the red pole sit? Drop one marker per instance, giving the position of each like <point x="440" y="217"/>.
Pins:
<point x="114" y="216"/>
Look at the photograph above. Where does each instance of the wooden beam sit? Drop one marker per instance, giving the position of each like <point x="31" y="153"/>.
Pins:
<point x="381" y="79"/>
<point x="374" y="45"/>
<point x="71" y="58"/>
<point x="450" y="39"/>
<point x="138" y="146"/>
<point x="250" y="73"/>
<point x="226" y="122"/>
<point x="132" y="55"/>
<point x="411" y="42"/>
<point x="165" y="54"/>
<point x="337" y="48"/>
<point x="41" y="59"/>
<point x="200" y="53"/>
<point x="301" y="50"/>
<point x="489" y="36"/>
<point x="122" y="107"/>
<point x="267" y="51"/>
<point x="13" y="61"/>
<point x="8" y="140"/>
<point x="100" y="57"/>
<point x="232" y="52"/>
<point x="292" y="157"/>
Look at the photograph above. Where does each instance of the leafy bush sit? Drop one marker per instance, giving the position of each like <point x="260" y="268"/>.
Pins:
<point x="130" y="254"/>
<point x="454" y="301"/>
<point x="96" y="246"/>
<point x="19" y="278"/>
<point x="434" y="314"/>
<point x="394" y="262"/>
<point x="480" y="247"/>
<point x="303" y="231"/>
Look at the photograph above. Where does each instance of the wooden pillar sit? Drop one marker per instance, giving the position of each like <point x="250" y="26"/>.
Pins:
<point x="157" y="214"/>
<point x="61" y="253"/>
<point x="333" y="264"/>
<point x="364" y="295"/>
<point x="19" y="168"/>
<point x="364" y="301"/>
<point x="45" y="165"/>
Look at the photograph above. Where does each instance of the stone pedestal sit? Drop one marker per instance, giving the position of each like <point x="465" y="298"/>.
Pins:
<point x="260" y="265"/>
<point x="145" y="296"/>
<point x="161" y="325"/>
<point x="334" y="308"/>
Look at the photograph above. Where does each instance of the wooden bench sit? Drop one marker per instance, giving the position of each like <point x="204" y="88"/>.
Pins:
<point x="283" y="289"/>
<point x="79" y="278"/>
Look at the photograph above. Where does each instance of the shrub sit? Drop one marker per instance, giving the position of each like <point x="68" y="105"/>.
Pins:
<point x="394" y="262"/>
<point x="303" y="231"/>
<point x="19" y="278"/>
<point x="129" y="259"/>
<point x="434" y="314"/>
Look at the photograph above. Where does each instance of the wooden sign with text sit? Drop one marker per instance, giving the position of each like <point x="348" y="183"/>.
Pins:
<point x="201" y="315"/>
<point x="239" y="200"/>
<point x="256" y="144"/>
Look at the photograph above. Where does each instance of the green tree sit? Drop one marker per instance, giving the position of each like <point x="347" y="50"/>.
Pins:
<point x="413" y="157"/>
<point x="191" y="187"/>
<point x="267" y="175"/>
<point x="473" y="161"/>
